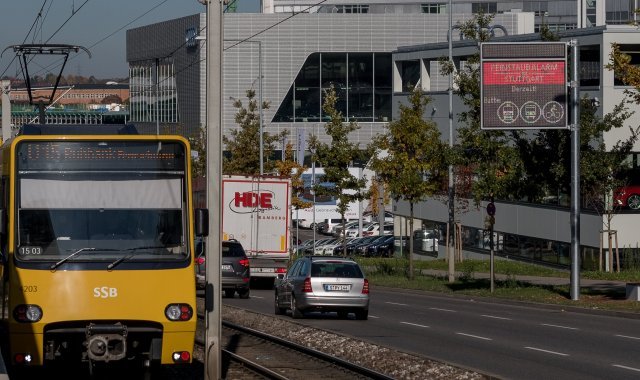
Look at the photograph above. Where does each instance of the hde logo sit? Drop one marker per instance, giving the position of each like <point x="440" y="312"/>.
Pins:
<point x="251" y="201"/>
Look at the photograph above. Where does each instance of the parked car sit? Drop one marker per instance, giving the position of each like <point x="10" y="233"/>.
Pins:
<point x="354" y="230"/>
<point x="330" y="249"/>
<point x="319" y="248"/>
<point x="381" y="248"/>
<point x="371" y="217"/>
<point x="234" y="267"/>
<point x="299" y="249"/>
<point x="354" y="245"/>
<point x="627" y="196"/>
<point x="337" y="230"/>
<point x="321" y="283"/>
<point x="308" y="250"/>
<point x="374" y="229"/>
<point x="361" y="249"/>
<point x="320" y="226"/>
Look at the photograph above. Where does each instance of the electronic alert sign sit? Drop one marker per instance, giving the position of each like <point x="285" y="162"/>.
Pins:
<point x="523" y="85"/>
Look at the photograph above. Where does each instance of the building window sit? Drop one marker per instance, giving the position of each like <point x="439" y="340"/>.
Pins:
<point x="590" y="9"/>
<point x="361" y="80"/>
<point x="434" y="8"/>
<point x="409" y="74"/>
<point x="356" y="8"/>
<point x="484" y="7"/>
<point x="590" y="65"/>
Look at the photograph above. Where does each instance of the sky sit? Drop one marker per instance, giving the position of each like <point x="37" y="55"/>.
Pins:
<point x="97" y="25"/>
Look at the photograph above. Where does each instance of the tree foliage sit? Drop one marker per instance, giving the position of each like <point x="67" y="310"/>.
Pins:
<point x="243" y="144"/>
<point x="199" y="154"/>
<point x="337" y="157"/>
<point x="411" y="158"/>
<point x="289" y="168"/>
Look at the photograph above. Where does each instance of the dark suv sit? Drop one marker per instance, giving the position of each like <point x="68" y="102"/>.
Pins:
<point x="234" y="268"/>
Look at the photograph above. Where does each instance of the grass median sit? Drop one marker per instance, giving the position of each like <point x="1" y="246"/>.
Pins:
<point x="468" y="282"/>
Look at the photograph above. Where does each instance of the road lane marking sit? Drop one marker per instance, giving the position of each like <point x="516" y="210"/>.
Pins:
<point x="547" y="351"/>
<point x="373" y="316"/>
<point x="627" y="336"/>
<point x="625" y="367"/>
<point x="474" y="336"/>
<point x="495" y="317"/>
<point x="395" y="303"/>
<point x="257" y="297"/>
<point x="415" y="324"/>
<point x="447" y="310"/>
<point x="560" y="327"/>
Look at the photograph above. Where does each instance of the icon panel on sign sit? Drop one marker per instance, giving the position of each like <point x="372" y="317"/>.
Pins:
<point x="553" y="112"/>
<point x="508" y="112"/>
<point x="530" y="112"/>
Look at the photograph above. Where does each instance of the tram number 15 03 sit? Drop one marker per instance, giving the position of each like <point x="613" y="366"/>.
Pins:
<point x="31" y="250"/>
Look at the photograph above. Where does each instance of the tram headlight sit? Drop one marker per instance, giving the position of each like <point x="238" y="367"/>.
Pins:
<point x="178" y="312"/>
<point x="27" y="313"/>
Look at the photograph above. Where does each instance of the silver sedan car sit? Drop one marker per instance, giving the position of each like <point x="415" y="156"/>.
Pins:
<point x="321" y="283"/>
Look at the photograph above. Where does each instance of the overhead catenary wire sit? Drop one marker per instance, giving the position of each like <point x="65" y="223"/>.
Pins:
<point x="245" y="40"/>
<point x="27" y="36"/>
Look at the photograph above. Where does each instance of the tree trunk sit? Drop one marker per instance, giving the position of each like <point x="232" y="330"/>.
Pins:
<point x="410" y="233"/>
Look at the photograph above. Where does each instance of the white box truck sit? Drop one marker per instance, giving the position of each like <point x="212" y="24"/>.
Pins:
<point x="256" y="212"/>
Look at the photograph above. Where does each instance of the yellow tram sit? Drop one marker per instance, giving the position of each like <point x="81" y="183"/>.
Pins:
<point x="96" y="234"/>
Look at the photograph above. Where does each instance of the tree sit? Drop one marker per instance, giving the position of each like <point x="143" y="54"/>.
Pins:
<point x="411" y="158"/>
<point x="243" y="145"/>
<point x="491" y="156"/>
<point x="289" y="168"/>
<point x="337" y="157"/>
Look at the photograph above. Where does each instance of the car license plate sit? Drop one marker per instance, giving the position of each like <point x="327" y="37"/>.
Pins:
<point x="262" y="270"/>
<point x="337" y="287"/>
<point x="227" y="267"/>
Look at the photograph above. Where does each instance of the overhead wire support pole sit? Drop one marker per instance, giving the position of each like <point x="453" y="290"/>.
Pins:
<point x="213" y="319"/>
<point x="575" y="174"/>
<point x="451" y="193"/>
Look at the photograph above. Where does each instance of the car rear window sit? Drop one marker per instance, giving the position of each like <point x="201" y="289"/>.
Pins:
<point x="336" y="269"/>
<point x="232" y="250"/>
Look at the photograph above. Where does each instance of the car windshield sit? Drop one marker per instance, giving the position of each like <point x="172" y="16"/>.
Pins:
<point x="336" y="269"/>
<point x="102" y="200"/>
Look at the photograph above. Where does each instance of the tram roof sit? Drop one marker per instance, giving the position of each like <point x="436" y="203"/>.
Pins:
<point x="78" y="129"/>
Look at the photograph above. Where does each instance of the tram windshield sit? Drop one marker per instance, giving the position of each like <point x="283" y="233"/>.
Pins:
<point x="110" y="200"/>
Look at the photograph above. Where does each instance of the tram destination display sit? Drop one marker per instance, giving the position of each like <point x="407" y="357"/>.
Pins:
<point x="523" y="85"/>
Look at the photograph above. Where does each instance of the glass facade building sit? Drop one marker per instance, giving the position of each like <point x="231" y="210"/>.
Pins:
<point x="361" y="81"/>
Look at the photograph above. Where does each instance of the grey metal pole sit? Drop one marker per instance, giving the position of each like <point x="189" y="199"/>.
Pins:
<point x="260" y="105"/>
<point x="575" y="175"/>
<point x="6" y="110"/>
<point x="451" y="194"/>
<point x="157" y="97"/>
<point x="212" y="357"/>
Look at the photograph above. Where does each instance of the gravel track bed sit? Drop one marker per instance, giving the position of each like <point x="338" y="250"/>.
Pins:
<point x="396" y="364"/>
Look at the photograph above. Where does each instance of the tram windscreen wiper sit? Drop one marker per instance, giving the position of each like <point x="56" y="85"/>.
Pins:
<point x="62" y="261"/>
<point x="127" y="257"/>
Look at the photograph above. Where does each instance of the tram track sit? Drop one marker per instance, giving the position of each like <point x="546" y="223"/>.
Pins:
<point x="247" y="352"/>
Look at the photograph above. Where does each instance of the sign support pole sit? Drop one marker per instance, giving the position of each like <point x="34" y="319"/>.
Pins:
<point x="575" y="174"/>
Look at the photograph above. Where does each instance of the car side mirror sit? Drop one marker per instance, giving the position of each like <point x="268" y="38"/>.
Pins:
<point x="201" y="222"/>
<point x="3" y="226"/>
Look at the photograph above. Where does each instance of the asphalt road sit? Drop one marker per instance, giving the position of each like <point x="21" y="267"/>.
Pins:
<point x="510" y="341"/>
